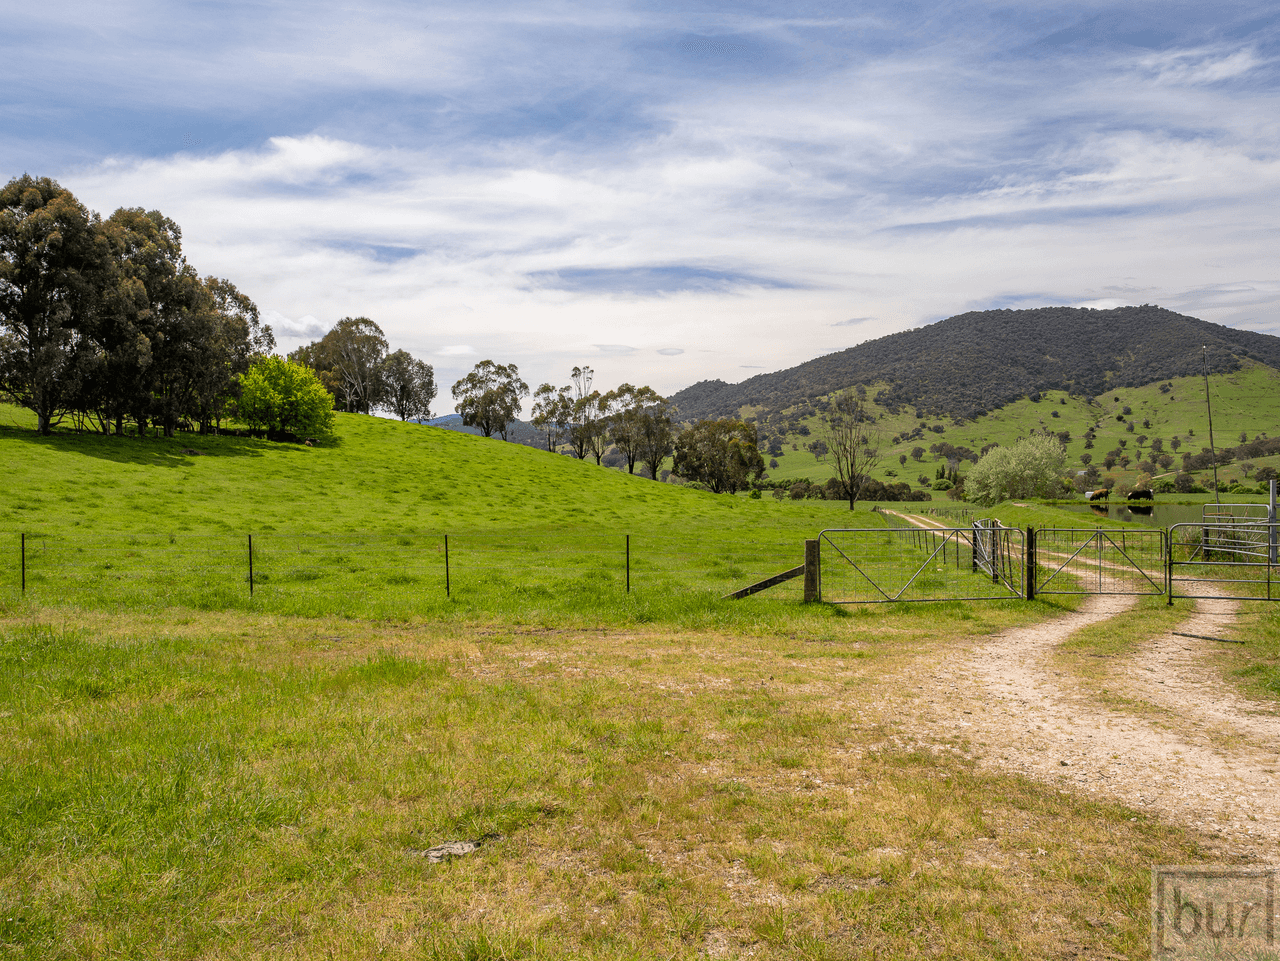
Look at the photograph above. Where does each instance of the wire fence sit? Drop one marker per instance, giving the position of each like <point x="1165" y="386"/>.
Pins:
<point x="225" y="569"/>
<point x="419" y="570"/>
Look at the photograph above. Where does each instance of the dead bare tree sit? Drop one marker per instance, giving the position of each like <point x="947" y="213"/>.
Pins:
<point x="853" y="440"/>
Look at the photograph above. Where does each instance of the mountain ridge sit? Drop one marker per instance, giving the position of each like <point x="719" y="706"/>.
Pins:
<point x="947" y="368"/>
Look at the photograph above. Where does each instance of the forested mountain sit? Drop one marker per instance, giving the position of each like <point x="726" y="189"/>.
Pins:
<point x="976" y="362"/>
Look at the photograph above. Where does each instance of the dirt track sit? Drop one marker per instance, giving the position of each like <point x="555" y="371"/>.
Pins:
<point x="1181" y="745"/>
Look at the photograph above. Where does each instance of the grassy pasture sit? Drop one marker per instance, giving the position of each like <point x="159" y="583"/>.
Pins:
<point x="232" y="784"/>
<point x="185" y="772"/>
<point x="358" y="527"/>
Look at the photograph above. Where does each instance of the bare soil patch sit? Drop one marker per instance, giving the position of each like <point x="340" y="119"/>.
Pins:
<point x="1189" y="749"/>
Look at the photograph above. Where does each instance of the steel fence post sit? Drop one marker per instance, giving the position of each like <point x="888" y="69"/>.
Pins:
<point x="24" y="563"/>
<point x="628" y="563"/>
<point x="1271" y="519"/>
<point x="251" y="565"/>
<point x="446" y="565"/>
<point x="1031" y="564"/>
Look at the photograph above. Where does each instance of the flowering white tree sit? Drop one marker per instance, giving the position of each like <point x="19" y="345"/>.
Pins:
<point x="1033" y="467"/>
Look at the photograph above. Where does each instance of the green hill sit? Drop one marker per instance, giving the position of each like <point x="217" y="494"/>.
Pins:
<point x="360" y="525"/>
<point x="1172" y="410"/>
<point x="977" y="362"/>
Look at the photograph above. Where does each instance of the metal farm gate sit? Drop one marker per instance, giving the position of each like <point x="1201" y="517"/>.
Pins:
<point x="1225" y="556"/>
<point x="1097" y="561"/>
<point x="866" y="566"/>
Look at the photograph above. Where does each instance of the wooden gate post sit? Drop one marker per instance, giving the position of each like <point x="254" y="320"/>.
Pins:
<point x="812" y="560"/>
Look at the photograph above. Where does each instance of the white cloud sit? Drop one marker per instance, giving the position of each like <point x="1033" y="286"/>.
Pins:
<point x="895" y="179"/>
<point x="1200" y="66"/>
<point x="304" y="328"/>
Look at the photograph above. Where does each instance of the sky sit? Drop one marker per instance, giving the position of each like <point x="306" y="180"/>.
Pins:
<point x="670" y="192"/>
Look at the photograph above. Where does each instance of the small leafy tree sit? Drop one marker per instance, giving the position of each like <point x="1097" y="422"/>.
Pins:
<point x="281" y="396"/>
<point x="1033" y="467"/>
<point x="719" y="453"/>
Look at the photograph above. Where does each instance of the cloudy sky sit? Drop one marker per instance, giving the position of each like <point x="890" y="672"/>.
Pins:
<point x="671" y="192"/>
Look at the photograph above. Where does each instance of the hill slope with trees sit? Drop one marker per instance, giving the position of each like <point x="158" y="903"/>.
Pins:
<point x="979" y="361"/>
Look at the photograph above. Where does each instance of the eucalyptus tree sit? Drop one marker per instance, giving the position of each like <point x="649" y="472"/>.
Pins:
<point x="489" y="397"/>
<point x="629" y="407"/>
<point x="409" y="385"/>
<point x="586" y="427"/>
<point x="51" y="254"/>
<point x="552" y="412"/>
<point x="853" y="441"/>
<point x="239" y="339"/>
<point x="722" y="454"/>
<point x="654" y="434"/>
<point x="157" y="325"/>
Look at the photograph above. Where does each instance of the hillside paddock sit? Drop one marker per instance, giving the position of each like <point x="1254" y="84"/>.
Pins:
<point x="645" y="775"/>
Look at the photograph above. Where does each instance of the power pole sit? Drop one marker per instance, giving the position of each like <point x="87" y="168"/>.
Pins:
<point x="1213" y="451"/>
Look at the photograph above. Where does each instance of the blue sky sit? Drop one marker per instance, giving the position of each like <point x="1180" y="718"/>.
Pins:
<point x="671" y="192"/>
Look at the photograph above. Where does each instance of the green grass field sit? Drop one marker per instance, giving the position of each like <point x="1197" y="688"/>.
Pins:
<point x="238" y="785"/>
<point x="359" y="527"/>
<point x="189" y="772"/>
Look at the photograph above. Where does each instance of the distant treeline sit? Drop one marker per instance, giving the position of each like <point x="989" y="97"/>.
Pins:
<point x="354" y="363"/>
<point x="801" y="488"/>
<point x="979" y="361"/>
<point x="1258" y="447"/>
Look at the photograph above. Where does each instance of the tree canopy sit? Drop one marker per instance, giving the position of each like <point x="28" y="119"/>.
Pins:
<point x="719" y="453"/>
<point x="409" y="385"/>
<point x="1033" y="467"/>
<point x="489" y="397"/>
<point x="106" y="319"/>
<point x="283" y="397"/>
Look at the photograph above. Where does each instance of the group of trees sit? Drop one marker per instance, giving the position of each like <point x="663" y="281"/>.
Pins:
<point x="106" y="321"/>
<point x="636" y="421"/>
<point x="353" y="363"/>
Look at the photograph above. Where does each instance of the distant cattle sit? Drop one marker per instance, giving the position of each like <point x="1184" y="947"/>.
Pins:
<point x="1098" y="495"/>
<point x="1144" y="495"/>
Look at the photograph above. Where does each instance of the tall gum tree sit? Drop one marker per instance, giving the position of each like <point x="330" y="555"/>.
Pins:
<point x="50" y="252"/>
<point x="489" y="397"/>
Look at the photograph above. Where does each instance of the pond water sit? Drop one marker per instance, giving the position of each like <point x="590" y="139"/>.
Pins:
<point x="1152" y="515"/>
